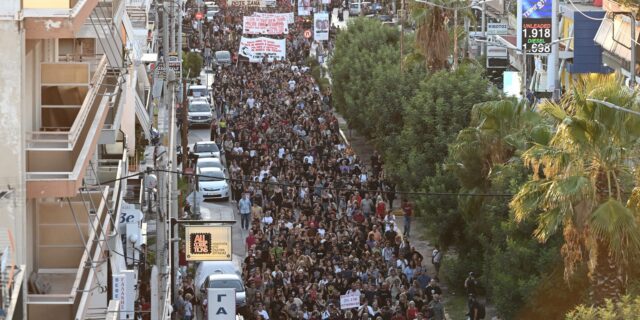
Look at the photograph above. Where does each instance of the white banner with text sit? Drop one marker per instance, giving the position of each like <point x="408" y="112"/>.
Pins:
<point x="257" y="48"/>
<point x="321" y="25"/>
<point x="287" y="16"/>
<point x="273" y="25"/>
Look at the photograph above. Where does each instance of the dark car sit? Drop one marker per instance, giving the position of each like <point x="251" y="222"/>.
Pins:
<point x="385" y="18"/>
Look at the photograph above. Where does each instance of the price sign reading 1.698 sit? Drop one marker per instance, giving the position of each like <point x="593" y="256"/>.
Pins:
<point x="536" y="35"/>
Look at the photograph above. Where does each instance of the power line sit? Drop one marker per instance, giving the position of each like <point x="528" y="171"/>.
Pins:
<point x="424" y="193"/>
<point x="584" y="14"/>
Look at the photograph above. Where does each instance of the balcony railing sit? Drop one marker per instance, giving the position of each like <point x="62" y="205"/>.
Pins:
<point x="66" y="287"/>
<point x="68" y="139"/>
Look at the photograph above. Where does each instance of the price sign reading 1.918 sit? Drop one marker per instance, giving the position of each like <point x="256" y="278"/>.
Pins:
<point x="536" y="26"/>
<point x="536" y="36"/>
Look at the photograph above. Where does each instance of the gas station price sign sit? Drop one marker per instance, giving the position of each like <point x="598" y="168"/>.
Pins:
<point x="536" y="26"/>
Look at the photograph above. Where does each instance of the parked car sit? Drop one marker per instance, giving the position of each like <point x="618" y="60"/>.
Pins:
<point x="210" y="163"/>
<point x="198" y="91"/>
<point x="207" y="268"/>
<point x="385" y="18"/>
<point x="222" y="58"/>
<point x="354" y="9"/>
<point x="230" y="281"/>
<point x="212" y="184"/>
<point x="206" y="149"/>
<point x="199" y="113"/>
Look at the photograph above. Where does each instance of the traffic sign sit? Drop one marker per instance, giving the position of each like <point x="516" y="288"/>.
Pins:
<point x="307" y="33"/>
<point x="199" y="15"/>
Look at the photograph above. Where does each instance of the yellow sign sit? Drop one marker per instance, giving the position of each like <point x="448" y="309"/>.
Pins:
<point x="208" y="243"/>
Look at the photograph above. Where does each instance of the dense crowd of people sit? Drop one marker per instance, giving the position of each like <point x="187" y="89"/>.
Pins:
<point x="320" y="222"/>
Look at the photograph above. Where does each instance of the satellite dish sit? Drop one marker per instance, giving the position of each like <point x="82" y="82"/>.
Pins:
<point x="150" y="181"/>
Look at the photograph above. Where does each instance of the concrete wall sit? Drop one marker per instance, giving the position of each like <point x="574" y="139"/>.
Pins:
<point x="12" y="129"/>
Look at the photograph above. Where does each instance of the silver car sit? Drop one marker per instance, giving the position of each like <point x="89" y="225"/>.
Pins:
<point x="222" y="58"/>
<point x="206" y="149"/>
<point x="210" y="163"/>
<point x="227" y="281"/>
<point x="199" y="113"/>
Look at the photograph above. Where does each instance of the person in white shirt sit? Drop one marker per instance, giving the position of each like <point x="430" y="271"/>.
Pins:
<point x="308" y="159"/>
<point x="353" y="290"/>
<point x="251" y="102"/>
<point x="281" y="152"/>
<point x="267" y="220"/>
<point x="292" y="85"/>
<point x="261" y="311"/>
<point x="389" y="221"/>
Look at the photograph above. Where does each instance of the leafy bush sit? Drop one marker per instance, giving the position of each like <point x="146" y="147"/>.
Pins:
<point x="627" y="308"/>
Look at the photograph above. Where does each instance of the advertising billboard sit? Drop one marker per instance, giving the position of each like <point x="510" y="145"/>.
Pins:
<point x="208" y="243"/>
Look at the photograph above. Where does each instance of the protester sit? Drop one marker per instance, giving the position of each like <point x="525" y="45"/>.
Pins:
<point x="319" y="222"/>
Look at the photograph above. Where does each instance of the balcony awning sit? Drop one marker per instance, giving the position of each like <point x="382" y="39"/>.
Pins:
<point x="143" y="116"/>
<point x="614" y="35"/>
<point x="132" y="43"/>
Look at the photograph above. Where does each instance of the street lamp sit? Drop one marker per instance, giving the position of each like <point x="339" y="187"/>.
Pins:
<point x="455" y="22"/>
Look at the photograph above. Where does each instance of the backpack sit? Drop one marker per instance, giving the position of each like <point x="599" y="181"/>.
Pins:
<point x="481" y="311"/>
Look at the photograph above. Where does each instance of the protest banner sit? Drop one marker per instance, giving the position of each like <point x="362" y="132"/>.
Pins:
<point x="272" y="25"/>
<point x="321" y="25"/>
<point x="257" y="48"/>
<point x="289" y="16"/>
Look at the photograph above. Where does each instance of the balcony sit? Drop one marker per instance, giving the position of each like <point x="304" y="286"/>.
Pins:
<point x="58" y="154"/>
<point x="11" y="278"/>
<point x="70" y="278"/>
<point x="48" y="19"/>
<point x="70" y="240"/>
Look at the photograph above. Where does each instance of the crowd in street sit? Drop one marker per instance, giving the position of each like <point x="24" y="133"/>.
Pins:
<point x="320" y="222"/>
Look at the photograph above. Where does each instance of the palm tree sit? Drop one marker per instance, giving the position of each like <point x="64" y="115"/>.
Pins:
<point x="434" y="35"/>
<point x="580" y="180"/>
<point x="499" y="131"/>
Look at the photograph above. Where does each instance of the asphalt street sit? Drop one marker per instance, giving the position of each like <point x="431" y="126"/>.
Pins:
<point x="219" y="210"/>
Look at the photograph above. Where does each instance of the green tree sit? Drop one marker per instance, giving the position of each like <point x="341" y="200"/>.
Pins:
<point x="579" y="182"/>
<point x="368" y="88"/>
<point x="191" y="64"/>
<point x="441" y="107"/>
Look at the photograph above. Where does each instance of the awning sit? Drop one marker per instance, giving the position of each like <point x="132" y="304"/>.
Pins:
<point x="132" y="44"/>
<point x="143" y="77"/>
<point x="615" y="36"/>
<point x="143" y="116"/>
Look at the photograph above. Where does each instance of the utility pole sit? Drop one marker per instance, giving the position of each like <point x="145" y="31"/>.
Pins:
<point x="165" y="37"/>
<point x="185" y="126"/>
<point x="172" y="39"/>
<point x="632" y="69"/>
<point x="455" y="39"/>
<point x="483" y="46"/>
<point x="553" y="64"/>
<point x="401" y="36"/>
<point x="524" y="71"/>
<point x="179" y="47"/>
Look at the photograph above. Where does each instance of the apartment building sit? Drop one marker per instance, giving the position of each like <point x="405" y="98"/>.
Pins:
<point x="74" y="108"/>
